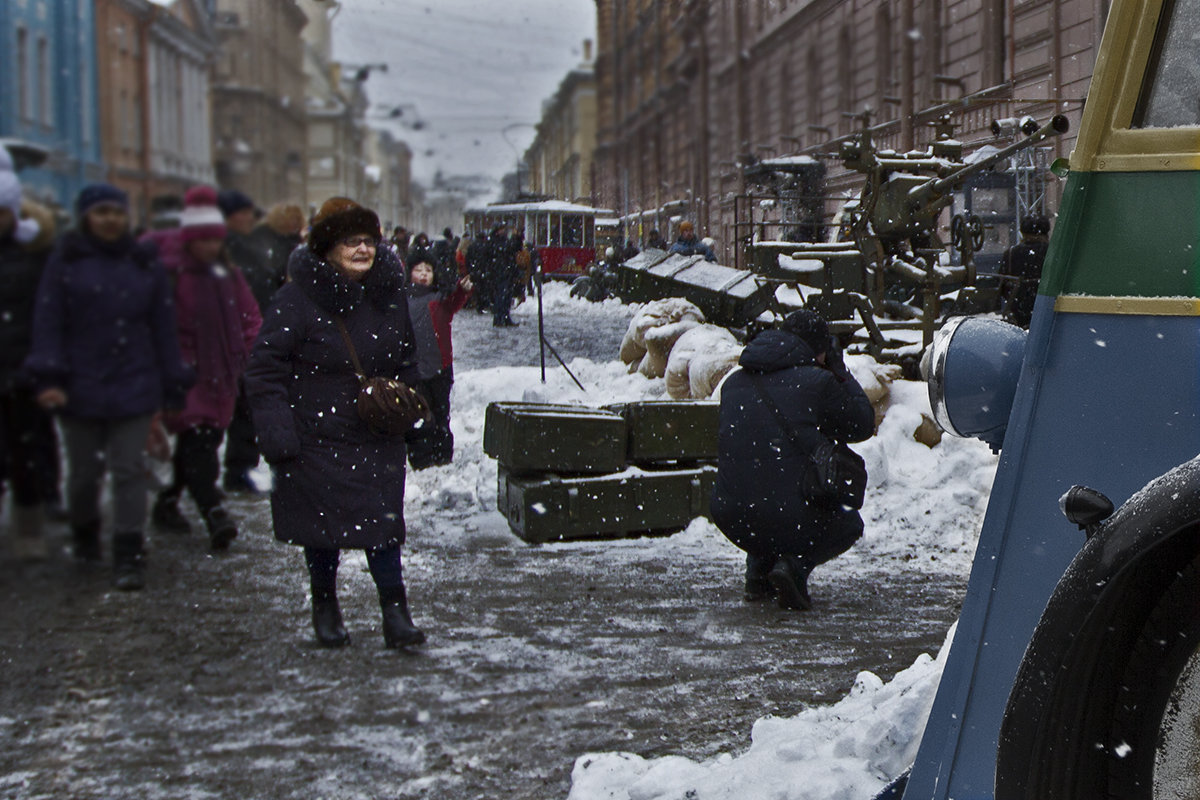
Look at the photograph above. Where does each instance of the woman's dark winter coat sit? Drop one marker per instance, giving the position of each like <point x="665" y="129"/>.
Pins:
<point x="337" y="485"/>
<point x="757" y="501"/>
<point x="20" y="271"/>
<point x="104" y="330"/>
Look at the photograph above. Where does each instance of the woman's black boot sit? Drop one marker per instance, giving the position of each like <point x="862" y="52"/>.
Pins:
<point x="85" y="540"/>
<point x="398" y="627"/>
<point x="327" y="619"/>
<point x="129" y="566"/>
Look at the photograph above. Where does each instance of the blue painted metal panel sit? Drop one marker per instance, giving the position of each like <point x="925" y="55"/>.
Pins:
<point x="1083" y="413"/>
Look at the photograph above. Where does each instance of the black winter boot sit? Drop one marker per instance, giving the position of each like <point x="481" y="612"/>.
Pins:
<point x="166" y="515"/>
<point x="398" y="627"/>
<point x="221" y="528"/>
<point x="85" y="540"/>
<point x="327" y="619"/>
<point x="757" y="585"/>
<point x="789" y="576"/>
<point x="129" y="567"/>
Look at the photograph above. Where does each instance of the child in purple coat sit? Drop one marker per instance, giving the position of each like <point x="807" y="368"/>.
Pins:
<point x="218" y="320"/>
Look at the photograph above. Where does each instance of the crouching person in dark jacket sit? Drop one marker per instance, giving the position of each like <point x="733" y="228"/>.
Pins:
<point x="791" y="377"/>
<point x="337" y="484"/>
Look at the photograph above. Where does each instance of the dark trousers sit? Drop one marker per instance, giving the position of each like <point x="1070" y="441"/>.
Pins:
<point x="241" y="451"/>
<point x="27" y="443"/>
<point x="433" y="444"/>
<point x="197" y="467"/>
<point x="502" y="301"/>
<point x="384" y="563"/>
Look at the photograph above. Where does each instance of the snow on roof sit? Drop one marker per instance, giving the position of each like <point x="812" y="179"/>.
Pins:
<point x="786" y="161"/>
<point x="545" y="206"/>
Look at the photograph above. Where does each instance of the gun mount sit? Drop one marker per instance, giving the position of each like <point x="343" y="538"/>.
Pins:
<point x="888" y="261"/>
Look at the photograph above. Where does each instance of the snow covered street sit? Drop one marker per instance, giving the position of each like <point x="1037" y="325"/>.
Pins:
<point x="627" y="669"/>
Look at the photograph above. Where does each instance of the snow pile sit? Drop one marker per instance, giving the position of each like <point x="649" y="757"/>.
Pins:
<point x="847" y="751"/>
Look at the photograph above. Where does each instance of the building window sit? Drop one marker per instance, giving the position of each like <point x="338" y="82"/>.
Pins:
<point x="813" y="79"/>
<point x="884" y="80"/>
<point x="45" y="82"/>
<point x="785" y="99"/>
<point x="23" y="93"/>
<point x="845" y="75"/>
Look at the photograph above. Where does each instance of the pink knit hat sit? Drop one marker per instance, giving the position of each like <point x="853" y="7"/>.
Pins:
<point x="201" y="218"/>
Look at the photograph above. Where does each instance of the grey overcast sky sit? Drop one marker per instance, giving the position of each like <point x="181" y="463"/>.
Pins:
<point x="470" y="68"/>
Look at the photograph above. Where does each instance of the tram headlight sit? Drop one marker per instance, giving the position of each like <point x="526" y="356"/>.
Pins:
<point x="971" y="370"/>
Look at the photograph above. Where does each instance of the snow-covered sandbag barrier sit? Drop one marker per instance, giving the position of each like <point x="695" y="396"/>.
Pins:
<point x="846" y="751"/>
<point x="659" y="342"/>
<point x="655" y="314"/>
<point x="702" y="339"/>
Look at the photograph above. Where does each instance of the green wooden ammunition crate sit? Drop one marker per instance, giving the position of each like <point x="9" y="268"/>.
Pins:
<point x="670" y="430"/>
<point x="550" y="507"/>
<point x="542" y="437"/>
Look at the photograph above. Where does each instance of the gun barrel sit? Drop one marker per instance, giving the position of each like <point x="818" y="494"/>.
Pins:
<point x="936" y="187"/>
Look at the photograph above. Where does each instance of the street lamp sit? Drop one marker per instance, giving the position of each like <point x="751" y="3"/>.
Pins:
<point x="397" y="114"/>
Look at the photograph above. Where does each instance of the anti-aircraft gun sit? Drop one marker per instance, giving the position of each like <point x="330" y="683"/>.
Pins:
<point x="888" y="260"/>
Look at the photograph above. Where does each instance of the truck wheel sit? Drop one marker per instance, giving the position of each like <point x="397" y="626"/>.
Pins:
<point x="1155" y="738"/>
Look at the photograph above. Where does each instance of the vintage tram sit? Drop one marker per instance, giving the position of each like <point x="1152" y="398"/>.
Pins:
<point x="563" y="234"/>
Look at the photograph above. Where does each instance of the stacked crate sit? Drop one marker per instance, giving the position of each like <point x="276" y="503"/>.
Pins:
<point x="572" y="472"/>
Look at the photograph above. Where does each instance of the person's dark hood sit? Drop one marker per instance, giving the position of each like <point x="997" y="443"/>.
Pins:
<point x="774" y="350"/>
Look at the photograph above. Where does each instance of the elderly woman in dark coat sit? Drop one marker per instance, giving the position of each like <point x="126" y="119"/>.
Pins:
<point x="757" y="501"/>
<point x="337" y="484"/>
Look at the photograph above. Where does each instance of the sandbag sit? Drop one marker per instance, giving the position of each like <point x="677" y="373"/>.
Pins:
<point x="659" y="342"/>
<point x="700" y="339"/>
<point x="707" y="370"/>
<point x="655" y="314"/>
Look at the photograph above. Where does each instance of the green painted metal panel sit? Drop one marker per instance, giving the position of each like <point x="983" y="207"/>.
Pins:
<point x="1126" y="234"/>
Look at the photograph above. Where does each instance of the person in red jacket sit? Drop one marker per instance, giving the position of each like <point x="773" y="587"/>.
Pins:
<point x="431" y="312"/>
<point x="218" y="320"/>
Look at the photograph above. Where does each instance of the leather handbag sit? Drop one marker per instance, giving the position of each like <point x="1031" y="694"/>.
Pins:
<point x="388" y="406"/>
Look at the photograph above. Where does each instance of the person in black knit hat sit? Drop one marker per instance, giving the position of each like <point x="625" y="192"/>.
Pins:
<point x="337" y="484"/>
<point x="792" y="377"/>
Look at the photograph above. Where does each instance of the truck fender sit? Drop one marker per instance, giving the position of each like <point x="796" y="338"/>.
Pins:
<point x="1058" y="735"/>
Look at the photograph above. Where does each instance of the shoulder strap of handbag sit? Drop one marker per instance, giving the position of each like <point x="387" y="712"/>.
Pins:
<point x="757" y="381"/>
<point x="362" y="376"/>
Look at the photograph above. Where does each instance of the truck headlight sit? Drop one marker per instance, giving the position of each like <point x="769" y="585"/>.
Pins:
<point x="972" y="369"/>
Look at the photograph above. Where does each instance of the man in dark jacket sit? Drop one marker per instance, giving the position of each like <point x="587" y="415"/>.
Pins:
<point x="758" y="501"/>
<point x="503" y="272"/>
<point x="24" y="426"/>
<point x="1023" y="265"/>
<point x="444" y="268"/>
<point x="241" y="454"/>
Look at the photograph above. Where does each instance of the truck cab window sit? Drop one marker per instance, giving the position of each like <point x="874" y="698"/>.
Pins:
<point x="1170" y="95"/>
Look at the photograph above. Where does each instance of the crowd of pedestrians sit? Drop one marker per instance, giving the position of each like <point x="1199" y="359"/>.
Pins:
<point x="256" y="331"/>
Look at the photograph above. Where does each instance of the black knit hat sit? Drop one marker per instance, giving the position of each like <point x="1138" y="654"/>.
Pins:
<point x="232" y="201"/>
<point x="338" y="218"/>
<point x="810" y="327"/>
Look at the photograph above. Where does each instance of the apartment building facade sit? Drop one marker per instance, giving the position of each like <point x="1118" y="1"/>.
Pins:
<point x="692" y="91"/>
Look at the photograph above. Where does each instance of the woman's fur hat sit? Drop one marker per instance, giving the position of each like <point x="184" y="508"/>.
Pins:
<point x="338" y="218"/>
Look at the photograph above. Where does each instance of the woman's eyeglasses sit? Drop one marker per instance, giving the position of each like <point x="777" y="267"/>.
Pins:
<point x="354" y="242"/>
